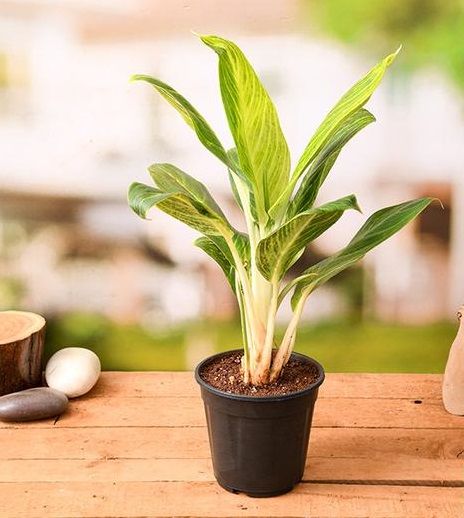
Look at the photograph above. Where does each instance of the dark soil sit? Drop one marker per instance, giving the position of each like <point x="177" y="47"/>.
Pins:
<point x="224" y="374"/>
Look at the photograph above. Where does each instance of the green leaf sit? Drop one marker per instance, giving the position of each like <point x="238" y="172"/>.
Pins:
<point x="235" y="184"/>
<point x="379" y="227"/>
<point x="238" y="182"/>
<point x="286" y="290"/>
<point x="320" y="168"/>
<point x="351" y="101"/>
<point x="170" y="178"/>
<point x="186" y="208"/>
<point x="142" y="198"/>
<point x="277" y="252"/>
<point x="190" y="115"/>
<point x="209" y="247"/>
<point x="218" y="248"/>
<point x="240" y="242"/>
<point x="262" y="150"/>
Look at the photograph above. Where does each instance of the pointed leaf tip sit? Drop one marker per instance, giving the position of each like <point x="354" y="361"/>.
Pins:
<point x="389" y="59"/>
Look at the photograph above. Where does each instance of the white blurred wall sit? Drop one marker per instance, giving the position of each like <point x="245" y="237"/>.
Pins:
<point x="71" y="122"/>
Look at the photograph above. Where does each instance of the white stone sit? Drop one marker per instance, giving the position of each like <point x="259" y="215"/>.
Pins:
<point x="453" y="379"/>
<point x="73" y="371"/>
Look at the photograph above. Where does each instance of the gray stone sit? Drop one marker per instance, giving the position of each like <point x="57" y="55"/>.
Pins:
<point x="32" y="404"/>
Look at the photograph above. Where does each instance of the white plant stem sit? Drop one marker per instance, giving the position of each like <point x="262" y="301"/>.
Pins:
<point x="255" y="331"/>
<point x="288" y="341"/>
<point x="262" y="367"/>
<point x="246" y="336"/>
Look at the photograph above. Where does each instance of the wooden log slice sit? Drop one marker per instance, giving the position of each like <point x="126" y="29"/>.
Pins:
<point x="22" y="337"/>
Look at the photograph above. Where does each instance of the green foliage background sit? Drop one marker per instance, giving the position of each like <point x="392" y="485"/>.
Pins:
<point x="431" y="31"/>
<point x="341" y="346"/>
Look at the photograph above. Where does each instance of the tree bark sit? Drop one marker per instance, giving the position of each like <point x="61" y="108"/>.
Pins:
<point x="22" y="336"/>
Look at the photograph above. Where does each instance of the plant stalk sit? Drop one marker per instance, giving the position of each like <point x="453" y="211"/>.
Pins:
<point x="255" y="331"/>
<point x="286" y="347"/>
<point x="261" y="369"/>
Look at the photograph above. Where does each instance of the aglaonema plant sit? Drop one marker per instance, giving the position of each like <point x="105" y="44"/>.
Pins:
<point x="278" y="204"/>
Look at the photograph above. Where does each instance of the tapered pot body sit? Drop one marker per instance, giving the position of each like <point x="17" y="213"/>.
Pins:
<point x="259" y="443"/>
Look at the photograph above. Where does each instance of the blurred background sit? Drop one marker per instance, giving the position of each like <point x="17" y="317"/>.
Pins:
<point x="74" y="133"/>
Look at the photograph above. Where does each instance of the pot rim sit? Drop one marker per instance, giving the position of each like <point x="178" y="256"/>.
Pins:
<point x="243" y="397"/>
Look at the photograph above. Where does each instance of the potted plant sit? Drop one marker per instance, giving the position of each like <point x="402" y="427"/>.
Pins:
<point x="258" y="430"/>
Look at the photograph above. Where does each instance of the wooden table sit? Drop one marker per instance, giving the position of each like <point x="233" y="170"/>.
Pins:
<point x="381" y="446"/>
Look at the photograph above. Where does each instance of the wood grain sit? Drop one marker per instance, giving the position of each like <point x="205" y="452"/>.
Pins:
<point x="137" y="446"/>
<point x="206" y="499"/>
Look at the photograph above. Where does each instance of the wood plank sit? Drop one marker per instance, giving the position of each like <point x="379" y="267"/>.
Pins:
<point x="396" y="386"/>
<point x="106" y="469"/>
<point x="389" y="471"/>
<point x="151" y="393"/>
<point x="188" y="411"/>
<point x="192" y="443"/>
<point x="122" y="411"/>
<point x="384" y="413"/>
<point x="95" y="443"/>
<point x="136" y="445"/>
<point x="206" y="499"/>
<point x="172" y="384"/>
<point x="183" y="454"/>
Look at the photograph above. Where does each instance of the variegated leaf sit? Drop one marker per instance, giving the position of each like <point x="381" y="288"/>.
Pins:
<point x="350" y="102"/>
<point x="170" y="178"/>
<point x="210" y="248"/>
<point x="191" y="211"/>
<point x="379" y="227"/>
<point x="320" y="168"/>
<point x="190" y="115"/>
<point x="218" y="249"/>
<point x="262" y="150"/>
<point x="277" y="252"/>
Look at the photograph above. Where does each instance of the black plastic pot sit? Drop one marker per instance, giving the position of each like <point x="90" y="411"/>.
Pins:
<point x="259" y="443"/>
